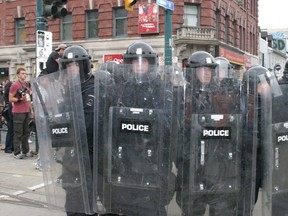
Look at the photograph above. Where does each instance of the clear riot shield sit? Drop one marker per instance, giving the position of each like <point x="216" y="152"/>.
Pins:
<point x="250" y="142"/>
<point x="135" y="151"/>
<point x="275" y="137"/>
<point x="62" y="139"/>
<point x="210" y="161"/>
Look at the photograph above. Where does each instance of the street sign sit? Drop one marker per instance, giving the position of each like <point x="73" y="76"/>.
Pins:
<point x="113" y="57"/>
<point x="43" y="44"/>
<point x="43" y="49"/>
<point x="277" y="67"/>
<point x="166" y="4"/>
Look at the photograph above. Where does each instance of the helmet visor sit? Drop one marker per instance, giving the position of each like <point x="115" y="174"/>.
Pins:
<point x="204" y="74"/>
<point x="140" y="70"/>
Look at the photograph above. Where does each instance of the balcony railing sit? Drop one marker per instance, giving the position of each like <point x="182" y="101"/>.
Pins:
<point x="201" y="33"/>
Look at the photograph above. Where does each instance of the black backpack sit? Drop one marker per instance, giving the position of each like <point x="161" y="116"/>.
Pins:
<point x="6" y="91"/>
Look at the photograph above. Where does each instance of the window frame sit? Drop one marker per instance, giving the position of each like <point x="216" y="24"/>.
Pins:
<point x="115" y="19"/>
<point x="88" y="21"/>
<point x="19" y="30"/>
<point x="187" y="15"/>
<point x="65" y="23"/>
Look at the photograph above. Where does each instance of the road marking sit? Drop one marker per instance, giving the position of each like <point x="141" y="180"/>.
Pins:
<point x="20" y="192"/>
<point x="33" y="188"/>
<point x="18" y="176"/>
<point x="17" y="193"/>
<point x="4" y="197"/>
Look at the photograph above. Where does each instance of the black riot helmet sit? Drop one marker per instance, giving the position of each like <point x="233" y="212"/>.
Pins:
<point x="114" y="69"/>
<point x="251" y="76"/>
<point x="109" y="66"/>
<point x="224" y="69"/>
<point x="261" y="75"/>
<point x="140" y="62"/>
<point x="286" y="65"/>
<point x="285" y="72"/>
<point x="79" y="55"/>
<point x="200" y="61"/>
<point x="140" y="50"/>
<point x="253" y="73"/>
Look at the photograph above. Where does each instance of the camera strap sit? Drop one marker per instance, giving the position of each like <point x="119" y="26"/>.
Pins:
<point x="26" y="84"/>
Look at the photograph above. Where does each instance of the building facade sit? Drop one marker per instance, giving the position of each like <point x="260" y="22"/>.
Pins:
<point x="273" y="50"/>
<point x="226" y="28"/>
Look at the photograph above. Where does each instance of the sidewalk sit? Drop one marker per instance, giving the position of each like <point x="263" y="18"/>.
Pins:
<point x="21" y="186"/>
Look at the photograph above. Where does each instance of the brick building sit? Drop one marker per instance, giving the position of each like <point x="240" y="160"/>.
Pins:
<point x="222" y="27"/>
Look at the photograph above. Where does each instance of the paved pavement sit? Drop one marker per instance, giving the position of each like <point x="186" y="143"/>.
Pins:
<point x="22" y="192"/>
<point x="21" y="186"/>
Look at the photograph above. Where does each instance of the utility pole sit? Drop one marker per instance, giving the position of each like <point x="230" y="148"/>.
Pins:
<point x="41" y="22"/>
<point x="168" y="11"/>
<point x="168" y="37"/>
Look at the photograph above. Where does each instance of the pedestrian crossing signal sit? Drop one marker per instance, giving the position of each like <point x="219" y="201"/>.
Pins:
<point x="129" y="4"/>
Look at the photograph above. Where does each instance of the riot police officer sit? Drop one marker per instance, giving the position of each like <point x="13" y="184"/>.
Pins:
<point x="224" y="69"/>
<point x="271" y="148"/>
<point x="252" y="151"/>
<point x="199" y="74"/>
<point x="66" y="132"/>
<point x="75" y="59"/>
<point x="260" y="87"/>
<point x="208" y="169"/>
<point x="228" y="98"/>
<point x="109" y="66"/>
<point x="134" y="148"/>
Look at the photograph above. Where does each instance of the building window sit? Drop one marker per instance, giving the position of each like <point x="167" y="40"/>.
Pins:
<point x="66" y="28"/>
<point x="20" y="31"/>
<point x="226" y="29"/>
<point x="191" y="15"/>
<point x="244" y="3"/>
<point x="92" y="24"/>
<point x="251" y="43"/>
<point x="242" y="38"/>
<point x="234" y="33"/>
<point x="254" y="7"/>
<point x="120" y="22"/>
<point x="262" y="59"/>
<point x="217" y="24"/>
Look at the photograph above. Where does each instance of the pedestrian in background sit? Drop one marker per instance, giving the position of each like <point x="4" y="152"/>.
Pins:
<point x="284" y="78"/>
<point x="52" y="64"/>
<point x="2" y="106"/>
<point x="19" y="95"/>
<point x="9" y="147"/>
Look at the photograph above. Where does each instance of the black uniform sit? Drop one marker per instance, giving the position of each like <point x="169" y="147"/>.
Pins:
<point x="87" y="89"/>
<point x="51" y="64"/>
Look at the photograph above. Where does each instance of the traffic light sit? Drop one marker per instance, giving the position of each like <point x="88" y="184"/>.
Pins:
<point x="129" y="4"/>
<point x="54" y="9"/>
